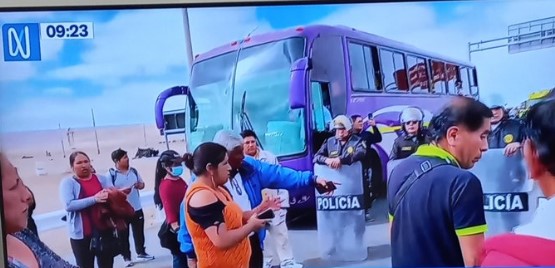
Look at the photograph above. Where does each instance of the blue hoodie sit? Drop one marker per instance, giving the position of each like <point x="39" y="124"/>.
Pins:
<point x="256" y="175"/>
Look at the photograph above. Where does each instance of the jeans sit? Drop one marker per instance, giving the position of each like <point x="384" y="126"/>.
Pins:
<point x="137" y="223"/>
<point x="180" y="260"/>
<point x="85" y="258"/>
<point x="257" y="257"/>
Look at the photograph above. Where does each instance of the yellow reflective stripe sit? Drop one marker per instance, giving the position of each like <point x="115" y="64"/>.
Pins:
<point x="472" y="230"/>
<point x="387" y="129"/>
<point x="390" y="217"/>
<point x="435" y="151"/>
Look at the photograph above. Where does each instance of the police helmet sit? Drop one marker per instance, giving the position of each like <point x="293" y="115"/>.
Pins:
<point x="495" y="103"/>
<point x="411" y="114"/>
<point x="342" y="122"/>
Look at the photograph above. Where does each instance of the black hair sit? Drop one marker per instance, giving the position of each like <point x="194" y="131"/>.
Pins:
<point x="118" y="154"/>
<point x="248" y="133"/>
<point x="74" y="155"/>
<point x="166" y="159"/>
<point x="462" y="111"/>
<point x="206" y="153"/>
<point x="540" y="128"/>
<point x="355" y="116"/>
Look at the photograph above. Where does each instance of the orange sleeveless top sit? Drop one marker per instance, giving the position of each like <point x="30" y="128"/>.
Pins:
<point x="208" y="255"/>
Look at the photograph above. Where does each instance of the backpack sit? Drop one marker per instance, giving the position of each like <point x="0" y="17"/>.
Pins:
<point x="113" y="173"/>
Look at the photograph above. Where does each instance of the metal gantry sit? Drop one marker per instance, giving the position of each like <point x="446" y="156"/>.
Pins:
<point x="521" y="37"/>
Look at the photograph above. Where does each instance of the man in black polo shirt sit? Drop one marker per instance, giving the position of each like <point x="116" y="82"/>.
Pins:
<point x="436" y="206"/>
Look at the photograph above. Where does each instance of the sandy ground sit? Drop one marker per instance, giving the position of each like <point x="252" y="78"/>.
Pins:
<point x="27" y="151"/>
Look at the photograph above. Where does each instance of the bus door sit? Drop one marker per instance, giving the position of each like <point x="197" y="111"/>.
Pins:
<point x="321" y="113"/>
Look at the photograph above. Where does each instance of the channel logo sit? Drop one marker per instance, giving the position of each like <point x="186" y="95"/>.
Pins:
<point x="21" y="42"/>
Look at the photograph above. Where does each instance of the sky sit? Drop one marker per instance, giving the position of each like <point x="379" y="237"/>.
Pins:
<point x="135" y="54"/>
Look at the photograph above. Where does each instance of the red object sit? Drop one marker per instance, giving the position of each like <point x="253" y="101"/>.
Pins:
<point x="418" y="76"/>
<point x="518" y="250"/>
<point x="172" y="193"/>
<point x="89" y="188"/>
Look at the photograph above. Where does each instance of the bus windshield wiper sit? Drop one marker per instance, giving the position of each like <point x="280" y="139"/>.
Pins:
<point x="234" y="72"/>
<point x="245" y="120"/>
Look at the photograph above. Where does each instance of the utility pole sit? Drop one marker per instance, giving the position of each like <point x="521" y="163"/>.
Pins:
<point x="95" y="133"/>
<point x="62" y="140"/>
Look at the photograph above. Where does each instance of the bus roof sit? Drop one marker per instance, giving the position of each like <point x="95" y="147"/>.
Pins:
<point x="314" y="30"/>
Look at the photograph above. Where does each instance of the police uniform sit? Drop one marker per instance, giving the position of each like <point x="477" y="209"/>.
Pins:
<point x="508" y="131"/>
<point x="406" y="145"/>
<point x="352" y="151"/>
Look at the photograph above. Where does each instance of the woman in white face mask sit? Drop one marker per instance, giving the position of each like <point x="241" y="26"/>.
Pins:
<point x="169" y="191"/>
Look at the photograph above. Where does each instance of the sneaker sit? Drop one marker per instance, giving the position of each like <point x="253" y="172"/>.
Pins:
<point x="145" y="257"/>
<point x="368" y="217"/>
<point x="290" y="264"/>
<point x="268" y="264"/>
<point x="128" y="263"/>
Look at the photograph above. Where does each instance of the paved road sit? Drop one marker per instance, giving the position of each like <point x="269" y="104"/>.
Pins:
<point x="304" y="241"/>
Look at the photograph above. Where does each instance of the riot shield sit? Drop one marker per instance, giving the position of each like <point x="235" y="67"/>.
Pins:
<point x="340" y="216"/>
<point x="510" y="197"/>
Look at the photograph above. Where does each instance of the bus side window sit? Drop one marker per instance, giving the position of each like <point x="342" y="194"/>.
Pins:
<point x="364" y="65"/>
<point x="438" y="77"/>
<point x="393" y="72"/>
<point x="418" y="74"/>
<point x="473" y="82"/>
<point x="452" y="77"/>
<point x="464" y="76"/>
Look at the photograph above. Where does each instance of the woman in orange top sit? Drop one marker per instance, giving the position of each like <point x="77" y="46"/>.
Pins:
<point x="218" y="227"/>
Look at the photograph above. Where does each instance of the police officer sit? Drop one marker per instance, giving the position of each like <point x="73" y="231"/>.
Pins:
<point x="342" y="149"/>
<point x="374" y="184"/>
<point x="413" y="134"/>
<point x="506" y="132"/>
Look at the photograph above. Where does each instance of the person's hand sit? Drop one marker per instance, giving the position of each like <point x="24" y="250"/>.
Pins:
<point x="273" y="203"/>
<point x="192" y="263"/>
<point x="127" y="190"/>
<point x="512" y="148"/>
<point x="324" y="183"/>
<point x="139" y="185"/>
<point x="334" y="163"/>
<point x="255" y="223"/>
<point x="372" y="122"/>
<point x="101" y="197"/>
<point x="174" y="226"/>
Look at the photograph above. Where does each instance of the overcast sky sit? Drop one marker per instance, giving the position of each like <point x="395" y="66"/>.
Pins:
<point x="135" y="54"/>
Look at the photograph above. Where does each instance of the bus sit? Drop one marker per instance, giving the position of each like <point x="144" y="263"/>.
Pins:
<point x="279" y="84"/>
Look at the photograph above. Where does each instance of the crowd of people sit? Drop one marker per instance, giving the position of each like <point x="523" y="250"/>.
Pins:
<point x="436" y="205"/>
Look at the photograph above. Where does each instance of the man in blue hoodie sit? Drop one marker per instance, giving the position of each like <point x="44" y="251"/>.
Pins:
<point x="249" y="176"/>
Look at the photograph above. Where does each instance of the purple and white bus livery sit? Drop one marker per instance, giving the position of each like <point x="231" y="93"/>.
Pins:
<point x="279" y="84"/>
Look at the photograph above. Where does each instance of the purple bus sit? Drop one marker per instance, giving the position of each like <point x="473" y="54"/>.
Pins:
<point x="281" y="85"/>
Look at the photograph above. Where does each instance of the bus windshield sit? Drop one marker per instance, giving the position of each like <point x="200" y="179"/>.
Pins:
<point x="262" y="78"/>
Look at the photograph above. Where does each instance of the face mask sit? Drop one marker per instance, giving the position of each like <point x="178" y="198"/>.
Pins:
<point x="177" y="171"/>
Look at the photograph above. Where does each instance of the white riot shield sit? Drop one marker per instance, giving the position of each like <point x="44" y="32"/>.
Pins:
<point x="510" y="197"/>
<point x="340" y="216"/>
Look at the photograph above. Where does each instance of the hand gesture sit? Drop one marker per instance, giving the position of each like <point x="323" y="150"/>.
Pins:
<point x="273" y="203"/>
<point x="372" y="122"/>
<point x="255" y="223"/>
<point x="102" y="196"/>
<point x="512" y="148"/>
<point x="324" y="183"/>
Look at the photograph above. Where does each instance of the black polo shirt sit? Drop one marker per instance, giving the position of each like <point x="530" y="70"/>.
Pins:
<point x="445" y="203"/>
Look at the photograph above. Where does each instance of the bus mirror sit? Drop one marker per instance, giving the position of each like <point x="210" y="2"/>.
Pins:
<point x="299" y="83"/>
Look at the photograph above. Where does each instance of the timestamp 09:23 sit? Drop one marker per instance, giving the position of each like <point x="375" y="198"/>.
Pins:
<point x="73" y="30"/>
